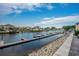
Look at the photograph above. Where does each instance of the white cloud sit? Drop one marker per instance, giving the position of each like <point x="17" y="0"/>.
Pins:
<point x="50" y="7"/>
<point x="4" y="9"/>
<point x="30" y="6"/>
<point x="46" y="18"/>
<point x="18" y="11"/>
<point x="11" y="7"/>
<point x="59" y="20"/>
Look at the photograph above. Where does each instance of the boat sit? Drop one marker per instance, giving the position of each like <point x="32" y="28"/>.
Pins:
<point x="22" y="39"/>
<point x="37" y="36"/>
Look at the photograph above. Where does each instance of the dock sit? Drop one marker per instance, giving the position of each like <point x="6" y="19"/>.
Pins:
<point x="25" y="41"/>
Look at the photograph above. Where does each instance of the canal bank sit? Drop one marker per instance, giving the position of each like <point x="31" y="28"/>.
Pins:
<point x="49" y="49"/>
<point x="65" y="47"/>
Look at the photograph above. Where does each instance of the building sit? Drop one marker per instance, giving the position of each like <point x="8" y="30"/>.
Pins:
<point x="7" y="27"/>
<point x="1" y="26"/>
<point x="77" y="26"/>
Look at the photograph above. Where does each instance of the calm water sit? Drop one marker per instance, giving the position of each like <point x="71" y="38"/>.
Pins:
<point x="8" y="38"/>
<point x="24" y="49"/>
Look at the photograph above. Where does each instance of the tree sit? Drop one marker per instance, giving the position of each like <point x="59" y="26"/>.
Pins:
<point x="1" y="29"/>
<point x="53" y="28"/>
<point x="47" y="28"/>
<point x="68" y="27"/>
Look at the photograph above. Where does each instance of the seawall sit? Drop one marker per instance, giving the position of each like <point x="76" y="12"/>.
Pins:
<point x="49" y="49"/>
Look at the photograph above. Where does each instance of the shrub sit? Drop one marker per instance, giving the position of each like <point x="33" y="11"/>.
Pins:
<point x="77" y="32"/>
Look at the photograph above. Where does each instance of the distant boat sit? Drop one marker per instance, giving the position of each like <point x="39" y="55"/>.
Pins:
<point x="36" y="36"/>
<point x="39" y="36"/>
<point x="22" y="39"/>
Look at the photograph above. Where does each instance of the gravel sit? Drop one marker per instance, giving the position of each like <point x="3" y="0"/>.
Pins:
<point x="49" y="49"/>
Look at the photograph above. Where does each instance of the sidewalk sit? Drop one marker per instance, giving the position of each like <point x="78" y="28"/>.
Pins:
<point x="64" y="49"/>
<point x="74" y="51"/>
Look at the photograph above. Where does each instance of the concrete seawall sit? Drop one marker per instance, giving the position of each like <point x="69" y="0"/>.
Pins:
<point x="65" y="48"/>
<point x="49" y="49"/>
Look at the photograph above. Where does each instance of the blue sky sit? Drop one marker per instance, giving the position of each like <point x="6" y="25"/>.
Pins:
<point x="39" y="14"/>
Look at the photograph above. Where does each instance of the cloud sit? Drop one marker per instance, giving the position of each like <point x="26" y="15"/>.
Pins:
<point x="46" y="18"/>
<point x="50" y="7"/>
<point x="8" y="8"/>
<point x="18" y="11"/>
<point x="59" y="20"/>
<point x="30" y="6"/>
<point x="4" y="9"/>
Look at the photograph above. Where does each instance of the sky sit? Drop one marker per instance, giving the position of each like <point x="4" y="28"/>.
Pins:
<point x="39" y="14"/>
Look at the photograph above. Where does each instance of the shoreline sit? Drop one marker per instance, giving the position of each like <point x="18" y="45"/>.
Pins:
<point x="48" y="48"/>
<point x="18" y="32"/>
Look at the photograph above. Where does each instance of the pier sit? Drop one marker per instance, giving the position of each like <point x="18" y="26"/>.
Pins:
<point x="25" y="41"/>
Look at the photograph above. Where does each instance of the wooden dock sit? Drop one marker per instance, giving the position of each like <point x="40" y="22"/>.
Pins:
<point x="24" y="41"/>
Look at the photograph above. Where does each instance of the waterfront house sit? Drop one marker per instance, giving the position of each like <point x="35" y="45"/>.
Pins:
<point x="7" y="27"/>
<point x="77" y="26"/>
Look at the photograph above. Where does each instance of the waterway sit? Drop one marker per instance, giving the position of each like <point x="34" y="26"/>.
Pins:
<point x="24" y="49"/>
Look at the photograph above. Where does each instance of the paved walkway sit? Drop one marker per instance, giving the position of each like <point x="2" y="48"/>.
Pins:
<point x="64" y="49"/>
<point x="74" y="51"/>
